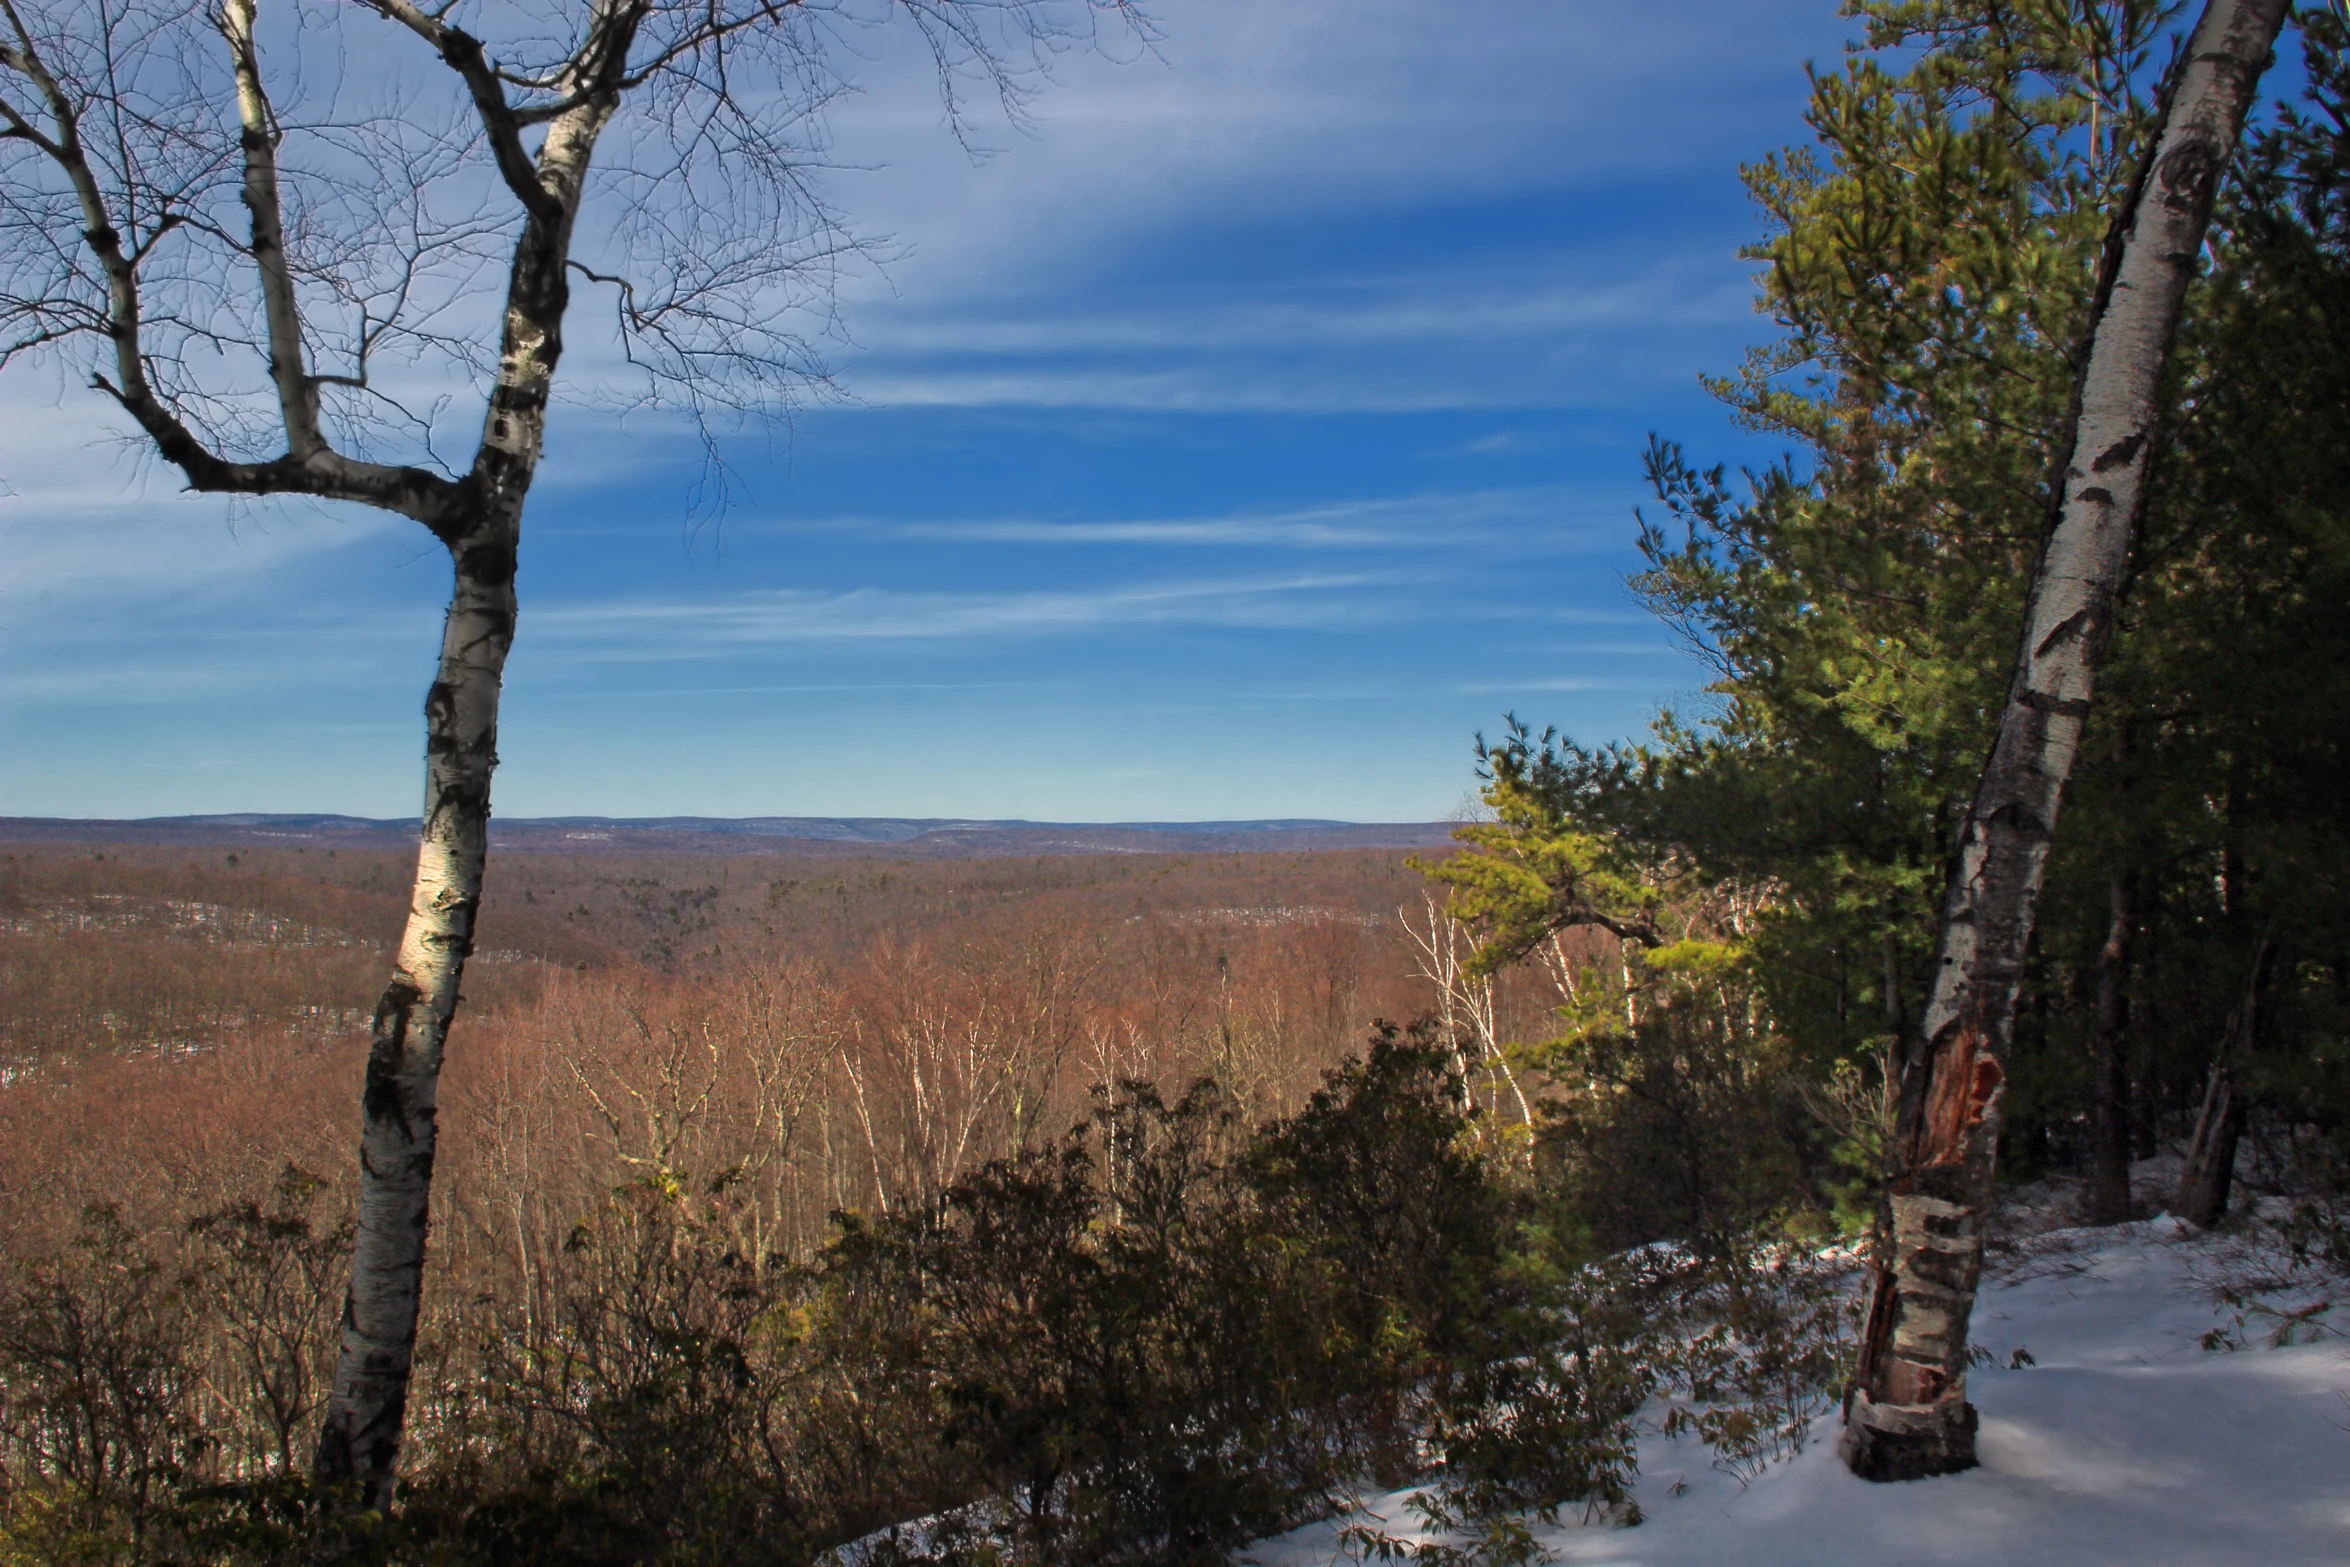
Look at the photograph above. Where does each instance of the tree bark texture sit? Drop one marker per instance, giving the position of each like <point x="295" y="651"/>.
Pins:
<point x="2208" y="1177"/>
<point x="2109" y="1185"/>
<point x="360" y="1439"/>
<point x="360" y="1435"/>
<point x="1906" y="1413"/>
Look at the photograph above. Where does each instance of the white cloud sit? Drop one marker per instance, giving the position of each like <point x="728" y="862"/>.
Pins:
<point x="1448" y="304"/>
<point x="89" y="523"/>
<point x="682" y="628"/>
<point x="1295" y="388"/>
<point x="1532" y="519"/>
<point x="1057" y="272"/>
<point x="1560" y="683"/>
<point x="789" y="688"/>
<point x="1288" y="110"/>
<point x="1558" y="331"/>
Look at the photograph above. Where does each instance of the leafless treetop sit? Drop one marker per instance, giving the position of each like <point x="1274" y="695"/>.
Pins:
<point x="283" y="241"/>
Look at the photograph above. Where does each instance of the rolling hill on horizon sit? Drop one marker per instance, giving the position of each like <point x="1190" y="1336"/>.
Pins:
<point x="927" y="836"/>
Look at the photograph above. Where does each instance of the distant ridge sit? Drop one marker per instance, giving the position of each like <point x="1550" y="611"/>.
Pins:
<point x="940" y="837"/>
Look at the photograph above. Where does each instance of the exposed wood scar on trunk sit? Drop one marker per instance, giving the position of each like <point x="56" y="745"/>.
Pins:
<point x="1969" y="1079"/>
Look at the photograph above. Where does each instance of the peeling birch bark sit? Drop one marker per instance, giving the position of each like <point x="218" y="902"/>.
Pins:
<point x="1906" y="1413"/>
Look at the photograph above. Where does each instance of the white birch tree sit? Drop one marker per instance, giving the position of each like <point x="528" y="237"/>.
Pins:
<point x="1907" y="1415"/>
<point x="276" y="264"/>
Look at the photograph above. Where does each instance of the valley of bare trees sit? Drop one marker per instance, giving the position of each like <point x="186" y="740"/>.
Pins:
<point x="873" y="1028"/>
<point x="695" y="1094"/>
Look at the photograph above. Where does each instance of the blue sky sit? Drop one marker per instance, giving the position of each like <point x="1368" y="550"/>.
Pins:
<point x="1236" y="440"/>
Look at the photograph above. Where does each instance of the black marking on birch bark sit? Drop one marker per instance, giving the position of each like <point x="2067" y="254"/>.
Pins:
<point x="2099" y="496"/>
<point x="2071" y="626"/>
<point x="488" y="561"/>
<point x="466" y="799"/>
<point x="420" y="1166"/>
<point x="2062" y="707"/>
<point x="2188" y="175"/>
<point x="511" y="396"/>
<point x="334" y="1442"/>
<point x="2016" y="817"/>
<point x="381" y="1098"/>
<point x="440" y="711"/>
<point x="383" y="1449"/>
<point x="2120" y="452"/>
<point x="399" y="999"/>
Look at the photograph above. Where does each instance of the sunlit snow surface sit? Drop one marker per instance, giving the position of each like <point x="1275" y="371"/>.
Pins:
<point x="2127" y="1443"/>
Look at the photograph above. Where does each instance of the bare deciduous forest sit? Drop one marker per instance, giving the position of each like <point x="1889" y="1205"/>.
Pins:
<point x="736" y="1108"/>
<point x="907" y="1019"/>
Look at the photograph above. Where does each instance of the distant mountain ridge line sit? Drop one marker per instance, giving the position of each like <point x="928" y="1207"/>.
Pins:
<point x="753" y="834"/>
<point x="783" y="826"/>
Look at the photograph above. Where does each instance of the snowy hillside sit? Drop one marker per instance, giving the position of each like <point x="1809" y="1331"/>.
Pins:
<point x="2116" y="1438"/>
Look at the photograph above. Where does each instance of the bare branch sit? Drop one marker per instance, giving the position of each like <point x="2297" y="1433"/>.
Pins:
<point x="297" y="395"/>
<point x="712" y="34"/>
<point x="308" y="468"/>
<point x="177" y="443"/>
<point x="462" y="52"/>
<point x="20" y="127"/>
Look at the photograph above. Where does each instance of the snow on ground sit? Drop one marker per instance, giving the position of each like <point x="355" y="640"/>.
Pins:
<point x="2125" y="1442"/>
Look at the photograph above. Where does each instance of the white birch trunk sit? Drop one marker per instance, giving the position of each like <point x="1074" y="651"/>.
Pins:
<point x="360" y="1435"/>
<point x="1906" y="1414"/>
<point x="360" y="1439"/>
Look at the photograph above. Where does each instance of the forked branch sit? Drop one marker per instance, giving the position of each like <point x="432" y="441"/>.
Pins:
<point x="309" y="466"/>
<point x="500" y="121"/>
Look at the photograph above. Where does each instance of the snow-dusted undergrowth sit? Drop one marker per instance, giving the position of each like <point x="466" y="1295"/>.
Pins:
<point x="2115" y="1437"/>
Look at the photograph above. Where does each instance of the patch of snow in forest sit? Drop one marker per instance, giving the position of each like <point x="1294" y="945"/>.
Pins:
<point x="1267" y="917"/>
<point x="2116" y="1438"/>
<point x="212" y="923"/>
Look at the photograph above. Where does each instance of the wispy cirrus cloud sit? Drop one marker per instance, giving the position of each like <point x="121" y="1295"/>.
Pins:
<point x="1537" y="518"/>
<point x="1418" y="344"/>
<point x="1448" y="303"/>
<point x="1248" y="111"/>
<point x="1139" y="247"/>
<point x="91" y="519"/>
<point x="1557" y="683"/>
<point x="697" y="628"/>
